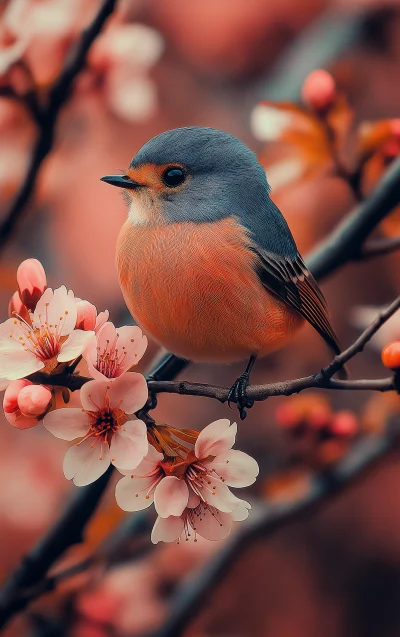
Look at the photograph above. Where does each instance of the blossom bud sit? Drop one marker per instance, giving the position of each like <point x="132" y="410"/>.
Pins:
<point x="344" y="423"/>
<point x="33" y="400"/>
<point x="86" y="315"/>
<point x="319" y="90"/>
<point x="10" y="399"/>
<point x="31" y="279"/>
<point x="16" y="306"/>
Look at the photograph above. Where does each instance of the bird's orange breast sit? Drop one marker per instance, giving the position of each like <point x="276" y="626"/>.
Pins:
<point x="194" y="289"/>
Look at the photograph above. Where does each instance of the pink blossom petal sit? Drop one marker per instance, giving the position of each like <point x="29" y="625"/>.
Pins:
<point x="93" y="394"/>
<point x="194" y="500"/>
<point x="75" y="345"/>
<point x="102" y="317"/>
<point x="17" y="363"/>
<point x="129" y="392"/>
<point x="241" y="512"/>
<point x="56" y="308"/>
<point x="129" y="445"/>
<point x="167" y="529"/>
<point x="106" y="336"/>
<point x="171" y="496"/>
<point x="215" y="439"/>
<point x="132" y="493"/>
<point x="19" y="421"/>
<point x="4" y="383"/>
<point x="148" y="464"/>
<point x="236" y="468"/>
<point x="135" y="343"/>
<point x="86" y="462"/>
<point x="213" y="525"/>
<point x="67" y="424"/>
<point x="220" y="498"/>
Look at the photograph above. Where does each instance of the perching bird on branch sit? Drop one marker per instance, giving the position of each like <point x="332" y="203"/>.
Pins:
<point x="206" y="261"/>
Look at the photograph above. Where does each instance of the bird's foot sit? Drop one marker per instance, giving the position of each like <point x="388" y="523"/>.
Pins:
<point x="237" y="394"/>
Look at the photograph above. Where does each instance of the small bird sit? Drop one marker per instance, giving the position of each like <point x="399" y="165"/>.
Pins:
<point x="206" y="261"/>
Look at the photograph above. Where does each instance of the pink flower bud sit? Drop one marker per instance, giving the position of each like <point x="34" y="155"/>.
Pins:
<point x="33" y="400"/>
<point x="319" y="90"/>
<point x="16" y="306"/>
<point x="19" y="421"/>
<point x="86" y="315"/>
<point x="10" y="399"/>
<point x="31" y="279"/>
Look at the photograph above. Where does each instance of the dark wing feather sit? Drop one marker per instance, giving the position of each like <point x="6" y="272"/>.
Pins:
<point x="291" y="281"/>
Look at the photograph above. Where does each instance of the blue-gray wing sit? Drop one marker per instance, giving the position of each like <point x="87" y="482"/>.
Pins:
<point x="290" y="280"/>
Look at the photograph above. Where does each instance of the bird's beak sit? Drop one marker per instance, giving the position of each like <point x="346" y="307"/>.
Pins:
<point x="121" y="181"/>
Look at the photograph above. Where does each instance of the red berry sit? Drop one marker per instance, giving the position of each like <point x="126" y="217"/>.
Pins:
<point x="391" y="355"/>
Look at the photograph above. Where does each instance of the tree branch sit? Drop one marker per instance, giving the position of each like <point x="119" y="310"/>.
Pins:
<point x="321" y="380"/>
<point x="346" y="240"/>
<point x="47" y="120"/>
<point x="68" y="530"/>
<point x="378" y="247"/>
<point x="192" y="595"/>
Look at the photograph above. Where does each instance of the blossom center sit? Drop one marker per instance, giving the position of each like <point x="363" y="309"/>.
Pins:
<point x="193" y="517"/>
<point x="105" y="422"/>
<point x="110" y="359"/>
<point x="201" y="480"/>
<point x="41" y="338"/>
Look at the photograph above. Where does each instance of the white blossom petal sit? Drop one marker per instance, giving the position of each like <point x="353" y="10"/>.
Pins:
<point x="128" y="392"/>
<point x="75" y="345"/>
<point x="67" y="424"/>
<point x="86" y="462"/>
<point x="132" y="494"/>
<point x="215" y="439"/>
<point x="213" y="525"/>
<point x="129" y="445"/>
<point x="167" y="529"/>
<point x="237" y="468"/>
<point x="171" y="497"/>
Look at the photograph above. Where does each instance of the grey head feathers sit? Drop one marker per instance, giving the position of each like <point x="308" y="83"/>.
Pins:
<point x="225" y="180"/>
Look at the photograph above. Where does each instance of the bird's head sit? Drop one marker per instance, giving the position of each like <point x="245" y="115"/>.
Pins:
<point x="191" y="174"/>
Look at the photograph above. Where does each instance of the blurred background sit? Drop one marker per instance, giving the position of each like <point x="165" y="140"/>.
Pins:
<point x="159" y="65"/>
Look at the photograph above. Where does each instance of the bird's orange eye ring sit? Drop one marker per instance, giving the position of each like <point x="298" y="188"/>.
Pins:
<point x="173" y="176"/>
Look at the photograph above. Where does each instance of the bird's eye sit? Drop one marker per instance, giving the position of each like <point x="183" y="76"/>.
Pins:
<point x="173" y="176"/>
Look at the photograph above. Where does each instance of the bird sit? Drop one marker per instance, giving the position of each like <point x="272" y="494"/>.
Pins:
<point x="206" y="261"/>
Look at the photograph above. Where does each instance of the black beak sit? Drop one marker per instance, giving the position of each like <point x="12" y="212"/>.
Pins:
<point x="121" y="181"/>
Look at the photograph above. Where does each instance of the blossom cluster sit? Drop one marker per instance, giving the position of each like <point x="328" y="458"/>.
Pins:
<point x="185" y="473"/>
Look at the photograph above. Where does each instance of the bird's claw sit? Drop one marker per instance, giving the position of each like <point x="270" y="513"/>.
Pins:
<point x="237" y="394"/>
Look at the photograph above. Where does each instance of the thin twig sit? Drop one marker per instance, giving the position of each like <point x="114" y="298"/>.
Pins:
<point x="378" y="247"/>
<point x="345" y="242"/>
<point x="58" y="97"/>
<point x="194" y="592"/>
<point x="321" y="380"/>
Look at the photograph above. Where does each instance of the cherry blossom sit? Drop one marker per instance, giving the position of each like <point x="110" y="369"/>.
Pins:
<point x="201" y="480"/>
<point x="107" y="433"/>
<point x="198" y="518"/>
<point x="47" y="338"/>
<point x="115" y="350"/>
